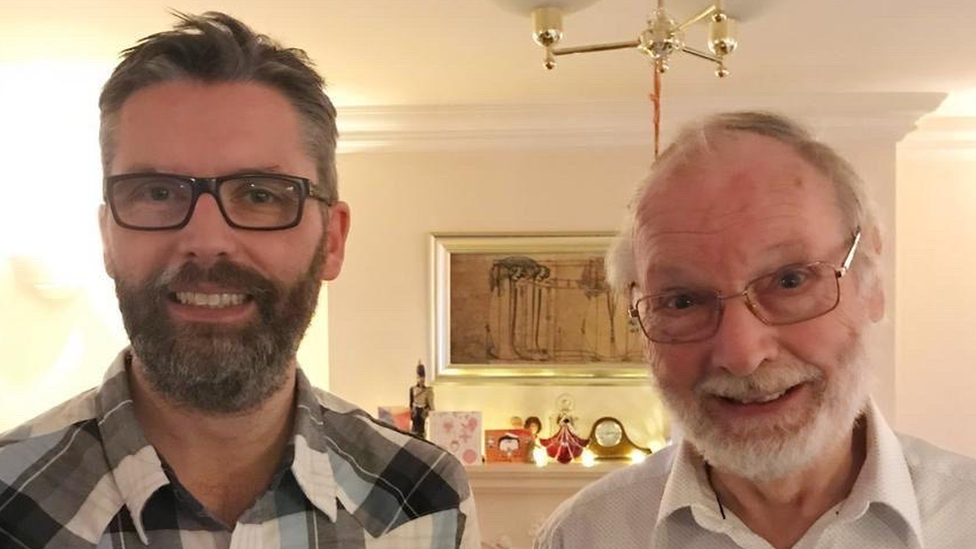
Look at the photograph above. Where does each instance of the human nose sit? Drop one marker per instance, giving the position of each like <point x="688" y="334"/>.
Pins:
<point x="743" y="342"/>
<point x="207" y="236"/>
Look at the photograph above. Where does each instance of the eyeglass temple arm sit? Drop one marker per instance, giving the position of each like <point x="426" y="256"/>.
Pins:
<point x="846" y="265"/>
<point x="632" y="313"/>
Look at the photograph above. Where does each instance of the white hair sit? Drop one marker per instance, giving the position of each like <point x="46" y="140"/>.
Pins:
<point x="698" y="138"/>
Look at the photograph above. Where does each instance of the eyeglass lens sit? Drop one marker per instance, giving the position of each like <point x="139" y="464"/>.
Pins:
<point x="789" y="295"/>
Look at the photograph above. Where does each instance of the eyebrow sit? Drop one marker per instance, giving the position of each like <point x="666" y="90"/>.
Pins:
<point x="787" y="248"/>
<point x="667" y="274"/>
<point x="148" y="168"/>
<point x="774" y="257"/>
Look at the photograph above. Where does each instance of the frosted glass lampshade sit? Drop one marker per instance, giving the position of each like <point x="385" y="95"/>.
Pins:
<point x="525" y="7"/>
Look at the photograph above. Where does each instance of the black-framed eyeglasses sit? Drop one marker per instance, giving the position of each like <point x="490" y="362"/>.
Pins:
<point x="789" y="295"/>
<point x="162" y="201"/>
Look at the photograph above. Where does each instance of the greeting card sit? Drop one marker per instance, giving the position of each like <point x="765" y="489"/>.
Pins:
<point x="459" y="433"/>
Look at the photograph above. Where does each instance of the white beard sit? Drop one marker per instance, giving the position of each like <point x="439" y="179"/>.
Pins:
<point x="765" y="450"/>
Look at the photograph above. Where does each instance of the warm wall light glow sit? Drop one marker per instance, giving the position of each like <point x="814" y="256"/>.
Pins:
<point x="588" y="458"/>
<point x="949" y="127"/>
<point x="657" y="444"/>
<point x="49" y="280"/>
<point x="636" y="456"/>
<point x="52" y="170"/>
<point x="960" y="103"/>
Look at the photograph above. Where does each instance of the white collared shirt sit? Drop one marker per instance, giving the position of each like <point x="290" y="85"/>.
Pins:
<point x="908" y="494"/>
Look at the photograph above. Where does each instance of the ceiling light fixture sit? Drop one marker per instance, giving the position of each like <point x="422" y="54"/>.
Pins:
<point x="662" y="37"/>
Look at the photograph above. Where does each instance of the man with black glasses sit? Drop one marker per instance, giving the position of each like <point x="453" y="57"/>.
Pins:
<point x="221" y="219"/>
<point x="751" y="262"/>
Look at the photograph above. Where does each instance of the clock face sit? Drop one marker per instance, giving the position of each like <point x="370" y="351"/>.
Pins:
<point x="608" y="433"/>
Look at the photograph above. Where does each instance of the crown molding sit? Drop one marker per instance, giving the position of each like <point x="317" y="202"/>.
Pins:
<point x="943" y="133"/>
<point x="864" y="116"/>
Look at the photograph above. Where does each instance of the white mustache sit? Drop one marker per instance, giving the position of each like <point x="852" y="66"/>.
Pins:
<point x="766" y="380"/>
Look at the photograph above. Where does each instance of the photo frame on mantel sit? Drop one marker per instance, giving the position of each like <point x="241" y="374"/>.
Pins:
<point x="529" y="307"/>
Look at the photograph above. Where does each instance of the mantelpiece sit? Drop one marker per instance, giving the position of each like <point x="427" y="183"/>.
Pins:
<point x="513" y="499"/>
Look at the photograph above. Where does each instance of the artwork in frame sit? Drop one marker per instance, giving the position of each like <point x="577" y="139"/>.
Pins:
<point x="533" y="307"/>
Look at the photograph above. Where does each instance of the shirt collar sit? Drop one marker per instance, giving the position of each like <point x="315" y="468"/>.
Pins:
<point x="137" y="468"/>
<point x="312" y="465"/>
<point x="884" y="479"/>
<point x="135" y="465"/>
<point x="687" y="486"/>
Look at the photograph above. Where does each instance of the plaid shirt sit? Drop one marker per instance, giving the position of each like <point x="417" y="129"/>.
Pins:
<point x="83" y="476"/>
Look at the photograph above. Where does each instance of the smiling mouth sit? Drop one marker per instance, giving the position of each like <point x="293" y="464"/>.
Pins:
<point x="212" y="301"/>
<point x="759" y="399"/>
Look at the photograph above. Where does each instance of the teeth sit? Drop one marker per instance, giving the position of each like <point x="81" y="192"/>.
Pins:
<point x="217" y="301"/>
<point x="760" y="399"/>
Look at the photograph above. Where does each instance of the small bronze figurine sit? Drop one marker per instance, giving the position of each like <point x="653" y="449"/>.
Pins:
<point x="421" y="402"/>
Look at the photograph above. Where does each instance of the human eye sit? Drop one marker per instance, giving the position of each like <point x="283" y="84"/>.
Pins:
<point x="151" y="191"/>
<point x="679" y="301"/>
<point x="791" y="279"/>
<point x="788" y="279"/>
<point x="259" y="196"/>
<point x="263" y="192"/>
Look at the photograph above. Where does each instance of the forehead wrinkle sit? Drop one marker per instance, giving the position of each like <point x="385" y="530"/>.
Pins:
<point x="740" y="200"/>
<point x="697" y="257"/>
<point x="712" y="211"/>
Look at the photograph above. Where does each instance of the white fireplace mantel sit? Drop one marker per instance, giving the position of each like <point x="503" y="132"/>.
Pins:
<point x="513" y="498"/>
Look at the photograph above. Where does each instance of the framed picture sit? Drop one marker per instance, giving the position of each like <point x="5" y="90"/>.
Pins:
<point x="532" y="307"/>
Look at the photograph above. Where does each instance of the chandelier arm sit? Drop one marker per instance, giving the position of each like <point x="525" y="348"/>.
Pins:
<point x="596" y="47"/>
<point x="701" y="55"/>
<point x="698" y="17"/>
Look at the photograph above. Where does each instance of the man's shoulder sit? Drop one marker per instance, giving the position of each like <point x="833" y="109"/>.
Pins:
<point x="49" y="468"/>
<point x="624" y="498"/>
<point x="53" y="422"/>
<point x="938" y="471"/>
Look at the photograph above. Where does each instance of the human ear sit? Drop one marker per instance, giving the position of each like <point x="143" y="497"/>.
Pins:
<point x="337" y="231"/>
<point x="103" y="222"/>
<point x="875" y="286"/>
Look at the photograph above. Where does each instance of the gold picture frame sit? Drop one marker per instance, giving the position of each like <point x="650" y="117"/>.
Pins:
<point x="529" y="307"/>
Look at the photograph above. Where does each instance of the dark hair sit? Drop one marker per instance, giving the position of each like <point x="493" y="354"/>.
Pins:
<point x="215" y="47"/>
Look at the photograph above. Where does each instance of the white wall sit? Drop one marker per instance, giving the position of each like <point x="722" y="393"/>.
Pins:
<point x="379" y="304"/>
<point x="936" y="254"/>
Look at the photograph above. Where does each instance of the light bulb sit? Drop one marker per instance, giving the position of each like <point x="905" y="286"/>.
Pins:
<point x="539" y="456"/>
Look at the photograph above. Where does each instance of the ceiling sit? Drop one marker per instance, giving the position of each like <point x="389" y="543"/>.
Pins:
<point x="464" y="52"/>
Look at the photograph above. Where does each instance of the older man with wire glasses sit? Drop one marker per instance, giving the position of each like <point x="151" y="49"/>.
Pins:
<point x="751" y="259"/>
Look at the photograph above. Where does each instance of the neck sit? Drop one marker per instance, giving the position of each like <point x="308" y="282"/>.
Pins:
<point x="782" y="510"/>
<point x="225" y="461"/>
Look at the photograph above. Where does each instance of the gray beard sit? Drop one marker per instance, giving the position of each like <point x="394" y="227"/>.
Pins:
<point x="215" y="369"/>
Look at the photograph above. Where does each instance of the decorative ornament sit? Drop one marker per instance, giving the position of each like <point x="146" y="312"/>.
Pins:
<point x="421" y="402"/>
<point x="565" y="445"/>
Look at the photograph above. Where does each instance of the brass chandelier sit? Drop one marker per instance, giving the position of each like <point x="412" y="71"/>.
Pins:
<point x="662" y="37"/>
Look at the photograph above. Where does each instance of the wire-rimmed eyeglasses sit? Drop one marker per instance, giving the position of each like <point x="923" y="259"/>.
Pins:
<point x="789" y="295"/>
